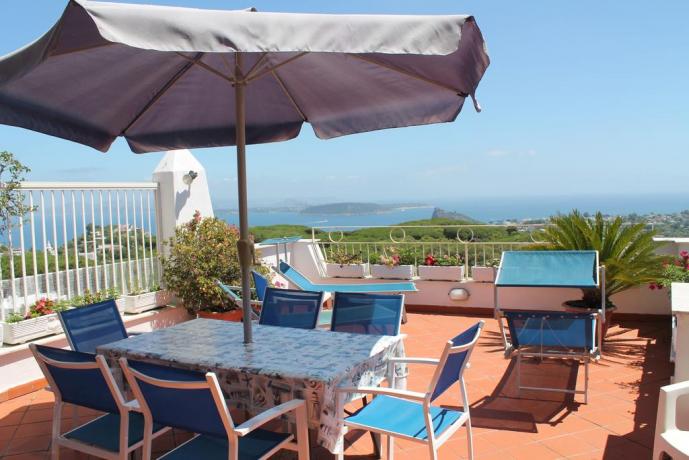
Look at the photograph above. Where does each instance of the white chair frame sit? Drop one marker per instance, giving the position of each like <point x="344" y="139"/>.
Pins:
<point x="298" y="406"/>
<point x="424" y="398"/>
<point x="669" y="439"/>
<point x="124" y="406"/>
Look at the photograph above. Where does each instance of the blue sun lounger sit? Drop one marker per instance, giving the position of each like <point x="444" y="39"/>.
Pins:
<point x="303" y="283"/>
<point x="551" y="334"/>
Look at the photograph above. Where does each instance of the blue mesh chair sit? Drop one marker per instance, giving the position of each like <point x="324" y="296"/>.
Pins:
<point x="89" y="327"/>
<point x="85" y="380"/>
<point x="411" y="415"/>
<point x="291" y="308"/>
<point x="261" y="284"/>
<point x="367" y="313"/>
<point x="193" y="401"/>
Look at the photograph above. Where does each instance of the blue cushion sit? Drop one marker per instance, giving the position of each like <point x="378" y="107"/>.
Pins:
<point x="252" y="446"/>
<point x="104" y="432"/>
<point x="297" y="278"/>
<point x="401" y="416"/>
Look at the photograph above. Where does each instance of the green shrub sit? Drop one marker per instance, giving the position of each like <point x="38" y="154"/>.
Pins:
<point x="202" y="251"/>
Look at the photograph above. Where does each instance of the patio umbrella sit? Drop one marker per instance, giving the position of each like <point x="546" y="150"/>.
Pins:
<point x="170" y="78"/>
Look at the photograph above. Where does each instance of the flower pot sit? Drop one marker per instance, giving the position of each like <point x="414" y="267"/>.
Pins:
<point x="347" y="270"/>
<point x="29" y="329"/>
<point x="142" y="302"/>
<point x="395" y="272"/>
<point x="483" y="274"/>
<point x="441" y="273"/>
<point x="232" y="315"/>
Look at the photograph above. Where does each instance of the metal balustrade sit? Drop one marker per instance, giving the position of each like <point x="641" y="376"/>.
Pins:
<point x="79" y="237"/>
<point x="460" y="241"/>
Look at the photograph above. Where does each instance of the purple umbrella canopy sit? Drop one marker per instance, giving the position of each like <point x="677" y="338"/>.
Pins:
<point x="170" y="78"/>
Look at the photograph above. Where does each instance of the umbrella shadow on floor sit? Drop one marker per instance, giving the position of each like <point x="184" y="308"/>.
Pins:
<point x="508" y="408"/>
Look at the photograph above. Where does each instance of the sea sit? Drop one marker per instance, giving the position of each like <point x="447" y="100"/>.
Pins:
<point x="489" y="209"/>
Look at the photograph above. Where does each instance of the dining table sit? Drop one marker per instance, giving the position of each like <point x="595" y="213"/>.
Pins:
<point x="280" y="364"/>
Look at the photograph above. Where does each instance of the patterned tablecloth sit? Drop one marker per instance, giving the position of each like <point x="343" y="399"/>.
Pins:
<point x="282" y="364"/>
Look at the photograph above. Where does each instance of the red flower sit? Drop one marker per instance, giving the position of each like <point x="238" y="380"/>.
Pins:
<point x="652" y="286"/>
<point x="430" y="260"/>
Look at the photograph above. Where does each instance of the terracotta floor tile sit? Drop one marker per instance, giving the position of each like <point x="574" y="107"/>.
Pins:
<point x="618" y="422"/>
<point x="28" y="445"/>
<point x="33" y="429"/>
<point x="29" y="456"/>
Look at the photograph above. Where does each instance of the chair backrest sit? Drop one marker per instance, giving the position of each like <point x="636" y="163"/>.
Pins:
<point x="454" y="359"/>
<point x="188" y="400"/>
<point x="79" y="378"/>
<point x="551" y="329"/>
<point x="261" y="283"/>
<point x="89" y="327"/>
<point x="291" y="308"/>
<point x="367" y="313"/>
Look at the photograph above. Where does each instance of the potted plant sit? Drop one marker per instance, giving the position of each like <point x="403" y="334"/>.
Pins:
<point x="675" y="270"/>
<point x="141" y="300"/>
<point x="40" y="321"/>
<point x="202" y="251"/>
<point x="394" y="264"/>
<point x="442" y="268"/>
<point x="485" y="273"/>
<point x="627" y="251"/>
<point x="342" y="265"/>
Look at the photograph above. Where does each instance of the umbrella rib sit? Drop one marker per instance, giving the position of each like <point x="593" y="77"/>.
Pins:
<point x="289" y="95"/>
<point x="258" y="62"/>
<point x="180" y="73"/>
<point x="208" y="68"/>
<point x="266" y="70"/>
<point x="409" y="74"/>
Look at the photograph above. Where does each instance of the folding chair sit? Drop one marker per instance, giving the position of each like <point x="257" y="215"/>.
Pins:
<point x="291" y="308"/>
<point x="88" y="327"/>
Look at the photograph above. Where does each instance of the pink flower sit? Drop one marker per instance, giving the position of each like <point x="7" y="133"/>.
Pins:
<point x="652" y="286"/>
<point x="684" y="255"/>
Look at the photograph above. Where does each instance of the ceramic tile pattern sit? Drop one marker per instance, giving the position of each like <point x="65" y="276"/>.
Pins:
<point x="617" y="423"/>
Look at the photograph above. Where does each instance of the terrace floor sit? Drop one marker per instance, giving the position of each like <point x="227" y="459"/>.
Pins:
<point x="617" y="423"/>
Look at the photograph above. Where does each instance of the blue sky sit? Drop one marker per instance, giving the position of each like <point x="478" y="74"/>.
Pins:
<point x="581" y="97"/>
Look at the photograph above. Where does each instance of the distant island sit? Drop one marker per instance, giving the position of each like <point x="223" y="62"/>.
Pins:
<point x="359" y="208"/>
<point x="452" y="215"/>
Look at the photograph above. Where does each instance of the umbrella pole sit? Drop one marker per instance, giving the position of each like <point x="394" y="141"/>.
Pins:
<point x="244" y="245"/>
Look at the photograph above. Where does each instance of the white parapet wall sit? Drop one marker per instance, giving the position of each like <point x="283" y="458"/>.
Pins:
<point x="307" y="257"/>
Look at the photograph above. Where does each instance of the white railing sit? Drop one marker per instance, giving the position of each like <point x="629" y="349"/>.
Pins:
<point x="461" y="241"/>
<point x="79" y="237"/>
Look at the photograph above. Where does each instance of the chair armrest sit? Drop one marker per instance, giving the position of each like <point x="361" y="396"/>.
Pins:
<point x="415" y="360"/>
<point x="134" y="333"/>
<point x="405" y="394"/>
<point x="667" y="405"/>
<point x="264" y="417"/>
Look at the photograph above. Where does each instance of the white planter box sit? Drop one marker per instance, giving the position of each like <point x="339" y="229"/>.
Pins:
<point x="483" y="274"/>
<point x="143" y="302"/>
<point x="347" y="270"/>
<point x="441" y="273"/>
<point x="30" y="329"/>
<point x="397" y="272"/>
